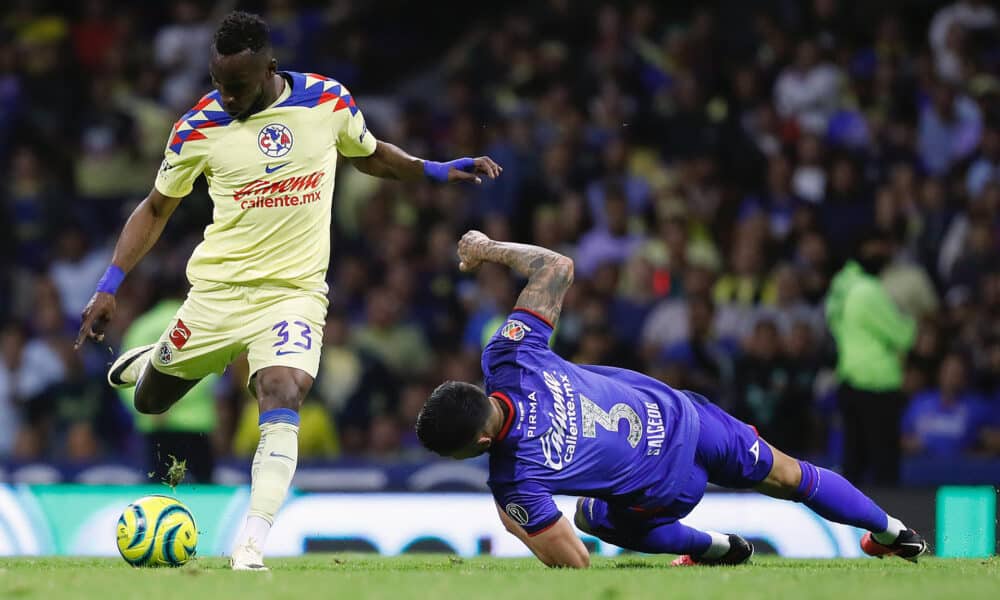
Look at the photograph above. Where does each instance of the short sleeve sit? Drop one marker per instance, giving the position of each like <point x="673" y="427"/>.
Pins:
<point x="523" y="327"/>
<point x="354" y="139"/>
<point x="528" y="504"/>
<point x="523" y="330"/>
<point x="182" y="163"/>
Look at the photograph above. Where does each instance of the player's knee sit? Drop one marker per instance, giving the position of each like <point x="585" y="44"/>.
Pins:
<point x="580" y="517"/>
<point x="279" y="390"/>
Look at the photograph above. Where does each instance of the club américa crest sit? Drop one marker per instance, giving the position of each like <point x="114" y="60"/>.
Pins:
<point x="275" y="140"/>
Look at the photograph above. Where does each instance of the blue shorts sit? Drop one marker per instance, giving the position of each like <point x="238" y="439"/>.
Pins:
<point x="730" y="454"/>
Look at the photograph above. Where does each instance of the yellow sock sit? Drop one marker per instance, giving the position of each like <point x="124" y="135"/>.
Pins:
<point x="272" y="472"/>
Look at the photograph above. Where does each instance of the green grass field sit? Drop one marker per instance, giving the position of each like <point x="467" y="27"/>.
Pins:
<point x="436" y="576"/>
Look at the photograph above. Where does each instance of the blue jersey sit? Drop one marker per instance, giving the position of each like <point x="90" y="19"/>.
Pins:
<point x="580" y="430"/>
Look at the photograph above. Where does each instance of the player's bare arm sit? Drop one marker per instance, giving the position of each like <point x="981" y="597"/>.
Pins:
<point x="557" y="546"/>
<point x="549" y="273"/>
<point x="141" y="231"/>
<point x="391" y="162"/>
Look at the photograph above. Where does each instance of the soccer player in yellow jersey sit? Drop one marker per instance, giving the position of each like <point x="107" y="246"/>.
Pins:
<point x="267" y="142"/>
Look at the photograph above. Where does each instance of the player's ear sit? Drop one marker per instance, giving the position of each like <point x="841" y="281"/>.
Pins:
<point x="484" y="442"/>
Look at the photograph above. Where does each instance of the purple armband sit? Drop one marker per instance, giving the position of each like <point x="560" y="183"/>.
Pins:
<point x="438" y="171"/>
<point x="111" y="279"/>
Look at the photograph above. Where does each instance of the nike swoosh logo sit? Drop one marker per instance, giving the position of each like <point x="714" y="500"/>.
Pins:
<point x="284" y="352"/>
<point x="268" y="169"/>
<point x="282" y="456"/>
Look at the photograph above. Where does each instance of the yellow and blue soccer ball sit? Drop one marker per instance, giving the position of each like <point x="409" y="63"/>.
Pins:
<point x="157" y="531"/>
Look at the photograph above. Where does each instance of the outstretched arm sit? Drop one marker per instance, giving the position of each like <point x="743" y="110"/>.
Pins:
<point x="391" y="162"/>
<point x="549" y="273"/>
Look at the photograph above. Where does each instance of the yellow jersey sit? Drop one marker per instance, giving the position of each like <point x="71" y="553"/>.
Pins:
<point x="271" y="180"/>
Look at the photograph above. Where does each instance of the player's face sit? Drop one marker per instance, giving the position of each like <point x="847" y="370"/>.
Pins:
<point x="241" y="79"/>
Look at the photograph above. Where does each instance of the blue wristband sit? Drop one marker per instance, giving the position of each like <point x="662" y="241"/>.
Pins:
<point x="438" y="171"/>
<point x="111" y="279"/>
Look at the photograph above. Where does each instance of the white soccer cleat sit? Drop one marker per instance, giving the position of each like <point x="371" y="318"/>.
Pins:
<point x="127" y="368"/>
<point x="247" y="557"/>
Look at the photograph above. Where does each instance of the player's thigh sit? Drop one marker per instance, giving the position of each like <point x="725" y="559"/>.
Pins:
<point x="204" y="335"/>
<point x="731" y="451"/>
<point x="284" y="340"/>
<point x="156" y="391"/>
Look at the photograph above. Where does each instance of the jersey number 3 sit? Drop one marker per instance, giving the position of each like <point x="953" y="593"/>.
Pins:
<point x="593" y="415"/>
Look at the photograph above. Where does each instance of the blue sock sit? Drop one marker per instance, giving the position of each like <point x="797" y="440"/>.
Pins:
<point x="834" y="498"/>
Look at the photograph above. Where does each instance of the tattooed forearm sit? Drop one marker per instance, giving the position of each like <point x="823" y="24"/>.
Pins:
<point x="549" y="275"/>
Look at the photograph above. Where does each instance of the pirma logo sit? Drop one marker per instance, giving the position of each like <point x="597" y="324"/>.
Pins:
<point x="275" y="140"/>
<point x="180" y="334"/>
<point x="514" y="330"/>
<point x="517" y="512"/>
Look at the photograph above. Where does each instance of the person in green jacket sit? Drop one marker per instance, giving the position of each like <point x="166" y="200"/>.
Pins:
<point x="872" y="338"/>
<point x="185" y="430"/>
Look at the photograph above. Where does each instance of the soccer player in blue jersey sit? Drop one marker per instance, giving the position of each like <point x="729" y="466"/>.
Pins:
<point x="638" y="452"/>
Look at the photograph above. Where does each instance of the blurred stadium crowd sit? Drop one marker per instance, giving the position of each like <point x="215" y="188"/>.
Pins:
<point x="709" y="168"/>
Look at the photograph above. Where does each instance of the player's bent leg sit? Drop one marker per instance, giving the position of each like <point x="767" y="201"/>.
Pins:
<point x="280" y="391"/>
<point x="156" y="392"/>
<point x="832" y="497"/>
<point x="593" y="516"/>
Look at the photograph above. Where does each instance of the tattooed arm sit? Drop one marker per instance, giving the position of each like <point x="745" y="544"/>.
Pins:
<point x="549" y="273"/>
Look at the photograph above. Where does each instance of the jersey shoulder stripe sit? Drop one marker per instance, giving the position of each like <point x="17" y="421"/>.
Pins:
<point x="310" y="90"/>
<point x="203" y="115"/>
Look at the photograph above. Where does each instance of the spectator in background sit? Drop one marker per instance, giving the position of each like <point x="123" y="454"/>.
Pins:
<point x="185" y="431"/>
<point x="778" y="203"/>
<point x="950" y="127"/>
<point x="872" y="338"/>
<point x="667" y="323"/>
<point x="908" y="283"/>
<point x="29" y="369"/>
<point x="181" y="50"/>
<point x="764" y="394"/>
<point x="31" y="208"/>
<point x="948" y="34"/>
<point x="950" y="419"/>
<point x="985" y="169"/>
<point x="75" y="269"/>
<point x="785" y="306"/>
<point x="704" y="361"/>
<point x="613" y="243"/>
<point x="808" y="91"/>
<point x="352" y="383"/>
<point x="12" y="375"/>
<point x="979" y="255"/>
<point x="400" y="346"/>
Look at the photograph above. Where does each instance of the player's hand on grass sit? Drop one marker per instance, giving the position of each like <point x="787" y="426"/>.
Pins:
<point x="96" y="315"/>
<point x="482" y="165"/>
<point x="472" y="250"/>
